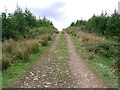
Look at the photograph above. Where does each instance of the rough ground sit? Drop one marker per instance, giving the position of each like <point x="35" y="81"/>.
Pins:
<point x="51" y="70"/>
<point x="80" y="69"/>
<point x="58" y="68"/>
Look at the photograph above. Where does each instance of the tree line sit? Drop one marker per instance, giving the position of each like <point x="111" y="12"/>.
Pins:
<point x="20" y="22"/>
<point x="104" y="25"/>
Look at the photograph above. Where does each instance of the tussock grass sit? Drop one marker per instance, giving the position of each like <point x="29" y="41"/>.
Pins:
<point x="13" y="50"/>
<point x="8" y="46"/>
<point x="32" y="45"/>
<point x="84" y="36"/>
<point x="45" y="38"/>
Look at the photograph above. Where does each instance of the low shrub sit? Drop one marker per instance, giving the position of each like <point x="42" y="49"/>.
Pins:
<point x="56" y="31"/>
<point x="45" y="39"/>
<point x="44" y="42"/>
<point x="48" y="37"/>
<point x="105" y="49"/>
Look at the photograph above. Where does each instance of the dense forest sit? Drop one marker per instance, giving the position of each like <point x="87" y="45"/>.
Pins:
<point x="104" y="25"/>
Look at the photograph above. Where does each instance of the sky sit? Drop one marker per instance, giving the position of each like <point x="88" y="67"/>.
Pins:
<point x="62" y="12"/>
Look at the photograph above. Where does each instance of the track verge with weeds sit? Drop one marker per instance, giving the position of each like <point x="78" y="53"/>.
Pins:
<point x="17" y="69"/>
<point x="99" y="64"/>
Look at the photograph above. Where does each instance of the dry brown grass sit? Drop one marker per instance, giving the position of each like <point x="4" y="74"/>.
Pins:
<point x="89" y="39"/>
<point x="32" y="45"/>
<point x="20" y="50"/>
<point x="45" y="38"/>
<point x="15" y="50"/>
<point x="84" y="36"/>
<point x="99" y="45"/>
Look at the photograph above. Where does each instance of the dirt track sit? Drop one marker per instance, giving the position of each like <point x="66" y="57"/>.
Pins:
<point x="32" y="77"/>
<point x="82" y="76"/>
<point x="80" y="69"/>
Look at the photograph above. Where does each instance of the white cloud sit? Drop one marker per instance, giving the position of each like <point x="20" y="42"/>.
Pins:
<point x="65" y="11"/>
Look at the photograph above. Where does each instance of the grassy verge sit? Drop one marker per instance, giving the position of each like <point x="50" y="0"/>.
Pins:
<point x="18" y="67"/>
<point x="99" y="64"/>
<point x="0" y="80"/>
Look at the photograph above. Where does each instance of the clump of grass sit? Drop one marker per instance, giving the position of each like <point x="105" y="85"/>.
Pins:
<point x="90" y="37"/>
<point x="5" y="62"/>
<point x="18" y="50"/>
<point x="8" y="46"/>
<point x="44" y="42"/>
<point x="21" y="53"/>
<point x="48" y="37"/>
<point x="32" y="45"/>
<point x="56" y="31"/>
<point x="45" y="38"/>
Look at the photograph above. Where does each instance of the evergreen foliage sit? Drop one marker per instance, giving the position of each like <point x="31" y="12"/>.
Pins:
<point x="104" y="25"/>
<point x="19" y="24"/>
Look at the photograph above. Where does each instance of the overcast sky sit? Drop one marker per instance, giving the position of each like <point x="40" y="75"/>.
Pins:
<point x="62" y="12"/>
